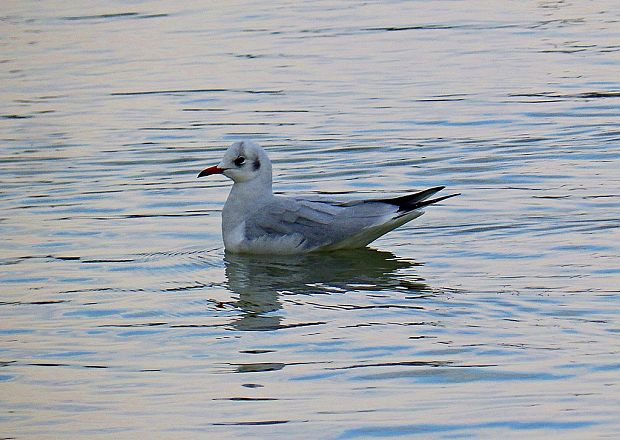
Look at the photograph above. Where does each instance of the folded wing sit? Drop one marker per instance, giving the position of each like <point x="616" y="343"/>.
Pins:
<point x="314" y="224"/>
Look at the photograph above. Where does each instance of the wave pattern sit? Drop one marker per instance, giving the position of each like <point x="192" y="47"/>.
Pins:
<point x="494" y="314"/>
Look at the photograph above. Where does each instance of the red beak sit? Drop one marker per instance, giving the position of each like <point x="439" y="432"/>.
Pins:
<point x="211" y="170"/>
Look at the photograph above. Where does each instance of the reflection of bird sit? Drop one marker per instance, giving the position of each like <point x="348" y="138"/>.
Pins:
<point x="259" y="280"/>
<point x="254" y="220"/>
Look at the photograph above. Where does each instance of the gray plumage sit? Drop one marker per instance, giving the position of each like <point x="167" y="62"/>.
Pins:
<point x="256" y="221"/>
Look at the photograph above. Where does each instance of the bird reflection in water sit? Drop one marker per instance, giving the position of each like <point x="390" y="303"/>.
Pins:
<point x="260" y="280"/>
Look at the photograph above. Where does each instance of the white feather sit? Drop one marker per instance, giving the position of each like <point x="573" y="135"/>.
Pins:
<point x="254" y="220"/>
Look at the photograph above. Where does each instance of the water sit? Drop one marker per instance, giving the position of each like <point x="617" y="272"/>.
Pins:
<point x="494" y="314"/>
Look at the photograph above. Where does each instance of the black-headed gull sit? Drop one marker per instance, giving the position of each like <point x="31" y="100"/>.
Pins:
<point x="256" y="221"/>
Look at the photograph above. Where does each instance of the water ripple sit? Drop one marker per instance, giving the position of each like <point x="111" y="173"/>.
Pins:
<point x="494" y="314"/>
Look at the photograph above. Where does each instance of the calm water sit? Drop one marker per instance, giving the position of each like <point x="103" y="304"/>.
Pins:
<point x="495" y="314"/>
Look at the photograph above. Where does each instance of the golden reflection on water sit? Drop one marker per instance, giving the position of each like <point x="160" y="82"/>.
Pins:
<point x="493" y="315"/>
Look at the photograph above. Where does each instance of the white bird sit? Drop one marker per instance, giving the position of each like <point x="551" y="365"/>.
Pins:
<point x="256" y="221"/>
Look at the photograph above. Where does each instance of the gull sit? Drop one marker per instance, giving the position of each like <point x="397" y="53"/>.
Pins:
<point x="255" y="221"/>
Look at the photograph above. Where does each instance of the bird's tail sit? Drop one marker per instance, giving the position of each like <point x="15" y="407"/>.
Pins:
<point x="418" y="200"/>
<point x="424" y="203"/>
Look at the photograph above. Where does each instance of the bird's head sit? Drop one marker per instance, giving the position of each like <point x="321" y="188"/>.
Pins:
<point x="243" y="161"/>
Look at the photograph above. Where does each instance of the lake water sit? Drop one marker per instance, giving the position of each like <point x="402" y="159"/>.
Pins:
<point x="496" y="314"/>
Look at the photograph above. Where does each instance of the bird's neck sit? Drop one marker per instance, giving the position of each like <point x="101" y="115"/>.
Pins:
<point x="245" y="196"/>
<point x="250" y="190"/>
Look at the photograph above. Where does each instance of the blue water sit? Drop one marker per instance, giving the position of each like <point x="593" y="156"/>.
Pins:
<point x="496" y="314"/>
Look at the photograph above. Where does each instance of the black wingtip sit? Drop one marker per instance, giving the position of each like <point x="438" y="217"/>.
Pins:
<point x="424" y="203"/>
<point x="405" y="203"/>
<point x="417" y="200"/>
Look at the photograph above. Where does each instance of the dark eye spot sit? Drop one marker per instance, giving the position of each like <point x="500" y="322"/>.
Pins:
<point x="240" y="161"/>
<point x="256" y="165"/>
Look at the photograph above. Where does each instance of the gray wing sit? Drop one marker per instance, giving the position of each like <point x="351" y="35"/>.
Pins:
<point x="315" y="223"/>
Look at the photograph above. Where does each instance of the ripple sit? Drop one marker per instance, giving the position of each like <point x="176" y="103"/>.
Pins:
<point x="461" y="375"/>
<point x="422" y="429"/>
<point x="499" y="308"/>
<point x="119" y="15"/>
<point x="194" y="91"/>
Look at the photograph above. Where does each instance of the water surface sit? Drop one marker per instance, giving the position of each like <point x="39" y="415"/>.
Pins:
<point x="494" y="314"/>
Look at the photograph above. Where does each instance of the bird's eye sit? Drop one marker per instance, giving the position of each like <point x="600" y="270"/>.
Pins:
<point x="240" y="161"/>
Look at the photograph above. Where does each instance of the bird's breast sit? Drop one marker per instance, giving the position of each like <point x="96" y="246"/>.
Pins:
<point x="233" y="235"/>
